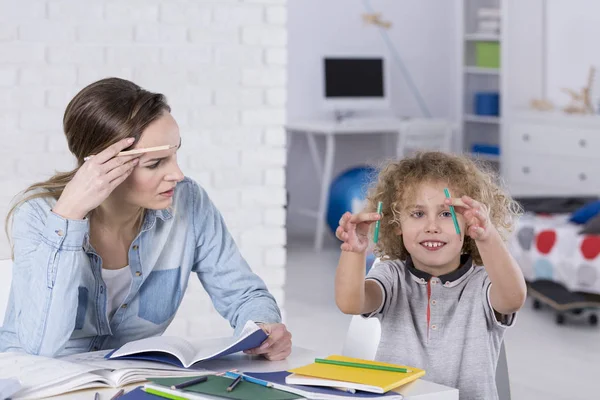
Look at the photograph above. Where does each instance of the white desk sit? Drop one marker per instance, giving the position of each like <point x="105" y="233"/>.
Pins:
<point x="418" y="390"/>
<point x="330" y="129"/>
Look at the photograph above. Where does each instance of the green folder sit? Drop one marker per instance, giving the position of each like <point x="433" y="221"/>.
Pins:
<point x="217" y="386"/>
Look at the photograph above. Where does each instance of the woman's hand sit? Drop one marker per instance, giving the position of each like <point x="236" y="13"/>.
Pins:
<point x="95" y="180"/>
<point x="353" y="231"/>
<point x="277" y="346"/>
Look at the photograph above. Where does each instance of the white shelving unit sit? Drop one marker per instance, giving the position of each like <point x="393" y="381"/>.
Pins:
<point x="481" y="119"/>
<point x="485" y="37"/>
<point x="482" y="71"/>
<point x="476" y="129"/>
<point x="547" y="153"/>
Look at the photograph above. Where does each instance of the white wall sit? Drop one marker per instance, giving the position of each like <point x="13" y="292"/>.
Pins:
<point x="222" y="66"/>
<point x="545" y="52"/>
<point x="572" y="32"/>
<point x="424" y="32"/>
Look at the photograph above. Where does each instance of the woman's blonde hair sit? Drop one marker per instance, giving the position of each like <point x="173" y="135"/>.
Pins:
<point x="398" y="180"/>
<point x="100" y="115"/>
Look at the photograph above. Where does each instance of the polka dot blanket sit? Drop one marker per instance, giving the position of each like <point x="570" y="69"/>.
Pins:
<point x="550" y="247"/>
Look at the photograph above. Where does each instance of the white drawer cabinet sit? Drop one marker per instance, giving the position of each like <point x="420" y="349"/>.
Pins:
<point x="563" y="172"/>
<point x="559" y="155"/>
<point x="555" y="140"/>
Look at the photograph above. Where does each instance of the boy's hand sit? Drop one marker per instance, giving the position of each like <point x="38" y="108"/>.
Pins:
<point x="354" y="230"/>
<point x="477" y="217"/>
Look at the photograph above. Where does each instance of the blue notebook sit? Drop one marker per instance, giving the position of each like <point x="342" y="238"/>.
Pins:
<point x="181" y="353"/>
<point x="278" y="379"/>
<point x="139" y="394"/>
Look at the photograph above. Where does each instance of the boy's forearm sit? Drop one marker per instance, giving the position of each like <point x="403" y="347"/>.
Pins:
<point x="350" y="282"/>
<point x="508" y="290"/>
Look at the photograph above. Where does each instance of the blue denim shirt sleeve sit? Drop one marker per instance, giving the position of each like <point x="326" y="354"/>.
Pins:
<point x="237" y="293"/>
<point x="46" y="250"/>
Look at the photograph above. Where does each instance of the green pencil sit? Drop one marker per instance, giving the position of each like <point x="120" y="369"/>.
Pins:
<point x="378" y="223"/>
<point x="360" y="365"/>
<point x="447" y="193"/>
<point x="163" y="394"/>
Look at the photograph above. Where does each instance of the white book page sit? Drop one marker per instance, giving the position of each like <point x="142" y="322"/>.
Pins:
<point x="124" y="377"/>
<point x="37" y="372"/>
<point x="97" y="359"/>
<point x="249" y="328"/>
<point x="211" y="347"/>
<point x="85" y="381"/>
<point x="178" y="347"/>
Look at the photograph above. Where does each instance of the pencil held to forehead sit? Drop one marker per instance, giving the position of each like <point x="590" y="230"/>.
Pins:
<point x="139" y="151"/>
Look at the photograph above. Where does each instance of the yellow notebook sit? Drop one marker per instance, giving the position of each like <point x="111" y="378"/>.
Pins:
<point x="368" y="380"/>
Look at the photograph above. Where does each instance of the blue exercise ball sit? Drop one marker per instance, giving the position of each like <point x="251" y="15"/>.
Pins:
<point x="370" y="261"/>
<point x="348" y="192"/>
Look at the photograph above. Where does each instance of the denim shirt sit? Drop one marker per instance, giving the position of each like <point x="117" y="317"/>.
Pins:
<point x="58" y="302"/>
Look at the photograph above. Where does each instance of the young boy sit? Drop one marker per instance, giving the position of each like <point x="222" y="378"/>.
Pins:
<point x="444" y="298"/>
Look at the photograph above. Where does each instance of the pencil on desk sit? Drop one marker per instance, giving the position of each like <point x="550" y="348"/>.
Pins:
<point x="249" y="379"/>
<point x="164" y="395"/>
<point x="189" y="383"/>
<point x="235" y="382"/>
<point x="447" y="193"/>
<point x="361" y="365"/>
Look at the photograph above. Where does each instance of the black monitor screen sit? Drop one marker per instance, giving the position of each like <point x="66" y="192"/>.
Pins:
<point x="354" y="77"/>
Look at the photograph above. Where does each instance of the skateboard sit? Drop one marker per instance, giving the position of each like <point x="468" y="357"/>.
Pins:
<point x="563" y="301"/>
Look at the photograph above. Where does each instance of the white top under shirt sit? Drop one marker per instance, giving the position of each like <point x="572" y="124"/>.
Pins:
<point x="117" y="286"/>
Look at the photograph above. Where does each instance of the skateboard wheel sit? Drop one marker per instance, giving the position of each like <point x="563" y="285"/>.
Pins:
<point x="537" y="305"/>
<point x="593" y="320"/>
<point x="560" y="319"/>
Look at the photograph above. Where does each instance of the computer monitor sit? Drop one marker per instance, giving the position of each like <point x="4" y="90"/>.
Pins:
<point x="356" y="82"/>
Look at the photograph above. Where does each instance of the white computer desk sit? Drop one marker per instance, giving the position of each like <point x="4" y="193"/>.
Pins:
<point x="419" y="390"/>
<point x="330" y="129"/>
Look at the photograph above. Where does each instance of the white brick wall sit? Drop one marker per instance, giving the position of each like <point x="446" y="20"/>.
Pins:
<point x="221" y="64"/>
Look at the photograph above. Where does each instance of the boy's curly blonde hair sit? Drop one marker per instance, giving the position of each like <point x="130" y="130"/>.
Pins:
<point x="398" y="180"/>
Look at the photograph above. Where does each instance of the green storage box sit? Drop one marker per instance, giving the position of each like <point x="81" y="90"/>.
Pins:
<point x="487" y="54"/>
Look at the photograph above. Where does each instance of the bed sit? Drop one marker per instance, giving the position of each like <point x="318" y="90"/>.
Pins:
<point x="549" y="247"/>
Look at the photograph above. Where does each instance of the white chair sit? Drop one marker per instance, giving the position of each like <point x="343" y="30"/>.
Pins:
<point x="5" y="280"/>
<point x="363" y="338"/>
<point x="425" y="135"/>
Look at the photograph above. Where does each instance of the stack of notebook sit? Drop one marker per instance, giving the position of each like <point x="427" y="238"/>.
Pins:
<point x="354" y="374"/>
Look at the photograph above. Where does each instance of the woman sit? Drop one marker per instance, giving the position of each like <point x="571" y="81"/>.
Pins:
<point x="103" y="254"/>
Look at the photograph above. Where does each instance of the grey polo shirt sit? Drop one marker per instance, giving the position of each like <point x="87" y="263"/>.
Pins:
<point x="444" y="325"/>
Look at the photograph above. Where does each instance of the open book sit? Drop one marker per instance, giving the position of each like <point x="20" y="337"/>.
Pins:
<point x="42" y="377"/>
<point x="181" y="353"/>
